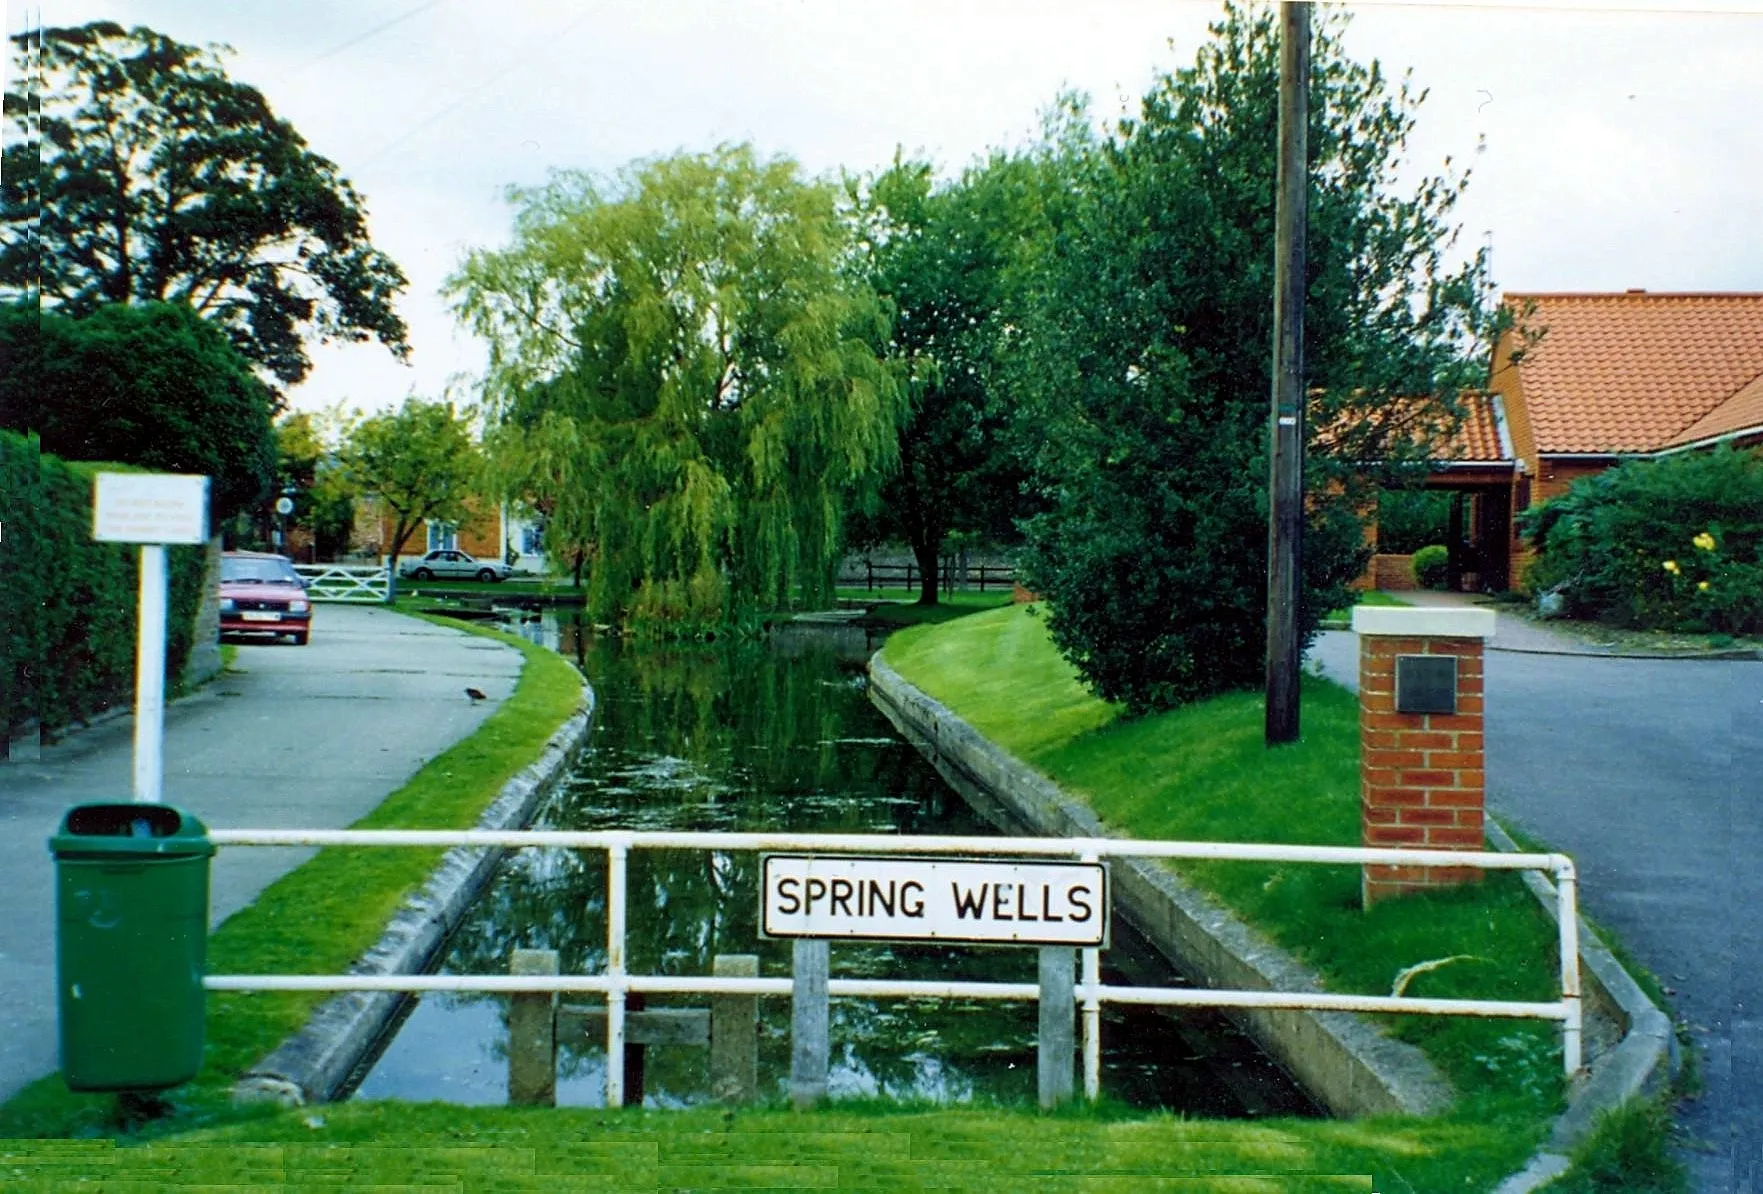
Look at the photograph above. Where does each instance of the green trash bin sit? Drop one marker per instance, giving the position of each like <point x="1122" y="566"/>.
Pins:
<point x="131" y="904"/>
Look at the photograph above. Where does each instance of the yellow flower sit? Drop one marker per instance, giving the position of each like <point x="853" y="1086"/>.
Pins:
<point x="1702" y="586"/>
<point x="1705" y="541"/>
<point x="1670" y="566"/>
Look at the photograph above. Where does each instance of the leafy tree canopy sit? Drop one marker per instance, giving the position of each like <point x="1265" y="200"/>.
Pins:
<point x="420" y="461"/>
<point x="947" y="260"/>
<point x="152" y="385"/>
<point x="682" y="377"/>
<point x="139" y="172"/>
<point x="1146" y="360"/>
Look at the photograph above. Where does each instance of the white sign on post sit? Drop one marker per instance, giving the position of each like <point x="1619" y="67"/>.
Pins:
<point x="921" y="899"/>
<point x="150" y="508"/>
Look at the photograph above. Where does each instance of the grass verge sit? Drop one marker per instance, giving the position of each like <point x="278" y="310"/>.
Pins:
<point x="845" y="1147"/>
<point x="319" y="918"/>
<point x="1203" y="773"/>
<point x="897" y="607"/>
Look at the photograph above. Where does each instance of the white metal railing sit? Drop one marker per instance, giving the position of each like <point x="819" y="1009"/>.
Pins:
<point x="344" y="582"/>
<point x="615" y="983"/>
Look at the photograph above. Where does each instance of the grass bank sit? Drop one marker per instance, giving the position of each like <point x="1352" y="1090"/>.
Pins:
<point x="1203" y="773"/>
<point x="864" y="1147"/>
<point x="319" y="918"/>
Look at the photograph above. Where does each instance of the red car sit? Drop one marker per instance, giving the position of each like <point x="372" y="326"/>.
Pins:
<point x="262" y="594"/>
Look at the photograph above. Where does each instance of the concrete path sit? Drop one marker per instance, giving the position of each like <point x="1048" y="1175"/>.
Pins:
<point x="1648" y="772"/>
<point x="295" y="737"/>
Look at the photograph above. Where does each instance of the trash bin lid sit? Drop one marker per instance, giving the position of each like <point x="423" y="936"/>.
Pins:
<point x="129" y="830"/>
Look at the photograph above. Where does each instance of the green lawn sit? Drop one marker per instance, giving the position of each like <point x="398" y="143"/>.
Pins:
<point x="866" y="1147"/>
<point x="899" y="607"/>
<point x="1203" y="773"/>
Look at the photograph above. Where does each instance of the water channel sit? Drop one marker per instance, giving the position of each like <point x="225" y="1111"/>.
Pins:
<point x="776" y="736"/>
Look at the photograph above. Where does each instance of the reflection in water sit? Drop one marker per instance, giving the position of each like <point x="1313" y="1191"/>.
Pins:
<point x="751" y="737"/>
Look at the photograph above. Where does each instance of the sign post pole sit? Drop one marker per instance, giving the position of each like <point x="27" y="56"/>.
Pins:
<point x="151" y="509"/>
<point x="150" y="677"/>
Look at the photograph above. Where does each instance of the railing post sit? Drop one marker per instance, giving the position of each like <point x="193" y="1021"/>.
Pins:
<point x="808" y="1023"/>
<point x="734" y="1033"/>
<point x="1566" y="892"/>
<point x="532" y="1034"/>
<point x="615" y="994"/>
<point x="1055" y="1047"/>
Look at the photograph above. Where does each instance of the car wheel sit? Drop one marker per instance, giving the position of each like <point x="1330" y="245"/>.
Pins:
<point x="299" y="639"/>
<point x="487" y="574"/>
<point x="422" y="574"/>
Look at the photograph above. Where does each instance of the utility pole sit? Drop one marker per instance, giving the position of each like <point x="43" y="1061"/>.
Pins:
<point x="1285" y="523"/>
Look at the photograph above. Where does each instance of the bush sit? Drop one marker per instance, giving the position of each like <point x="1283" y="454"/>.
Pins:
<point x="67" y="607"/>
<point x="1409" y="519"/>
<point x="1431" y="566"/>
<point x="1669" y="544"/>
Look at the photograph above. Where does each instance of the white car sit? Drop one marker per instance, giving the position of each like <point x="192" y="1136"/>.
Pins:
<point x="454" y="565"/>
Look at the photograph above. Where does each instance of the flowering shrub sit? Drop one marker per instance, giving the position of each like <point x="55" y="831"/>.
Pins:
<point x="1671" y="544"/>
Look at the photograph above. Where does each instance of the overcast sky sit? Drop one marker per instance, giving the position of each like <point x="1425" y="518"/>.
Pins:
<point x="1623" y="148"/>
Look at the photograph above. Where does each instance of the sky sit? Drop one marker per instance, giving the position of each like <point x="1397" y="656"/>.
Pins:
<point x="1621" y="147"/>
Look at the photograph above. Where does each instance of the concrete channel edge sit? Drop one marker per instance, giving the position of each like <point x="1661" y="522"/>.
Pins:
<point x="314" y="1064"/>
<point x="1344" y="1062"/>
<point x="1640" y="1064"/>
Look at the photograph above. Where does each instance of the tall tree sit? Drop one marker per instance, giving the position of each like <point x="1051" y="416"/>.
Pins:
<point x="1147" y="360"/>
<point x="309" y="465"/>
<point x="139" y="172"/>
<point x="682" y="367"/>
<point x="420" y="461"/>
<point x="945" y="258"/>
<point x="151" y="385"/>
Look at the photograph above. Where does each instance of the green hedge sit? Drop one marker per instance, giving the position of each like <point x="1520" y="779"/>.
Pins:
<point x="67" y="604"/>
<point x="1671" y="544"/>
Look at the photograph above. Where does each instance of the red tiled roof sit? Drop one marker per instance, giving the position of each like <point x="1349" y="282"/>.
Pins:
<point x="1742" y="412"/>
<point x="1636" y="372"/>
<point x="1479" y="438"/>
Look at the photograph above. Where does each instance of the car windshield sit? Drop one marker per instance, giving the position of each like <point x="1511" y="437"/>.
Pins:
<point x="262" y="572"/>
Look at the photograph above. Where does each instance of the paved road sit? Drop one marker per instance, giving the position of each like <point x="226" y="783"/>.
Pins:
<point x="1650" y="773"/>
<point x="295" y="737"/>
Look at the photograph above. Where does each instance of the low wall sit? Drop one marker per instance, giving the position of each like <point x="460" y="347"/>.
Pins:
<point x="1344" y="1063"/>
<point x="316" y="1064"/>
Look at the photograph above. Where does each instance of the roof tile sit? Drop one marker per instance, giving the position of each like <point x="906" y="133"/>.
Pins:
<point x="1636" y="372"/>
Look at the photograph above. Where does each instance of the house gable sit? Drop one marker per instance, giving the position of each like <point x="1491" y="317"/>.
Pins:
<point x="1631" y="373"/>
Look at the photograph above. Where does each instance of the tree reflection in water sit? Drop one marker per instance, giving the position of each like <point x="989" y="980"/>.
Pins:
<point x="749" y="737"/>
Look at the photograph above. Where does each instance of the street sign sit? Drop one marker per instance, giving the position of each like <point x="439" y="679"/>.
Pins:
<point x="150" y="508"/>
<point x="284" y="505"/>
<point x="945" y="899"/>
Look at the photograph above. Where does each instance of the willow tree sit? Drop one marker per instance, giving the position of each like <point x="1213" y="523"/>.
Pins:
<point x="682" y="377"/>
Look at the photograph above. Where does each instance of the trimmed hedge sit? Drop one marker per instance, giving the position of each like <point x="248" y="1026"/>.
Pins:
<point x="1432" y="566"/>
<point x="67" y="604"/>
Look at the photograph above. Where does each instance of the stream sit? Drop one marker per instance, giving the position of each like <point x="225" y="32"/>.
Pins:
<point x="777" y="735"/>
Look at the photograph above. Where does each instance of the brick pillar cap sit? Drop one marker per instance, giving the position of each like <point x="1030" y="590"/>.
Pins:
<point x="1433" y="622"/>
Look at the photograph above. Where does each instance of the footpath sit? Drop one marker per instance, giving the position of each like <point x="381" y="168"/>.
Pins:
<point x="1644" y="768"/>
<point x="311" y="737"/>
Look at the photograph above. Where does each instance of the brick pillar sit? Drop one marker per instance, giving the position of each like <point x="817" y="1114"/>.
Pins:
<point x="1421" y="775"/>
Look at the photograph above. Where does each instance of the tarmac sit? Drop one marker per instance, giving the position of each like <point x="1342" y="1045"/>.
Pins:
<point x="292" y="737"/>
<point x="1644" y="768"/>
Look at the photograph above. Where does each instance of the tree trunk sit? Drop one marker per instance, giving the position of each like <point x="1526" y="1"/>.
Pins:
<point x="926" y="555"/>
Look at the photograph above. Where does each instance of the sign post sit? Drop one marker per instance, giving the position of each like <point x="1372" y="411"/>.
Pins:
<point x="1059" y="906"/>
<point x="151" y="509"/>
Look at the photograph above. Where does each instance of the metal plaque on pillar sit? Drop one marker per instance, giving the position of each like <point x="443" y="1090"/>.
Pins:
<point x="1426" y="684"/>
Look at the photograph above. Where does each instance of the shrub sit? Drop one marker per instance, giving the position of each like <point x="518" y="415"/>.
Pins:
<point x="1431" y="566"/>
<point x="67" y="607"/>
<point x="1671" y="544"/>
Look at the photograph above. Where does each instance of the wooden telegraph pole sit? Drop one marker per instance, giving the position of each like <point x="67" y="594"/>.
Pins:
<point x="1285" y="524"/>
